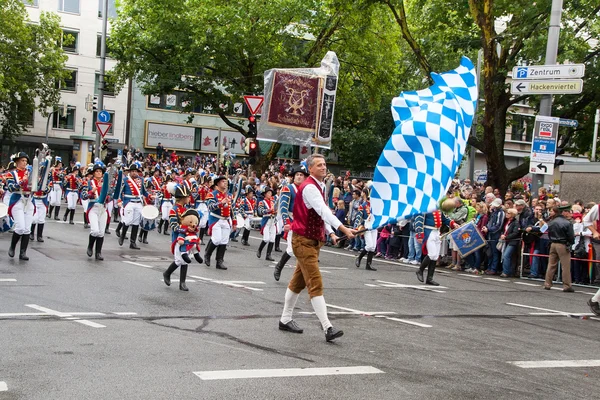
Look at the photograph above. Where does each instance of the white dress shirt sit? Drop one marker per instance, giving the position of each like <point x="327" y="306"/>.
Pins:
<point x="591" y="217"/>
<point x="313" y="198"/>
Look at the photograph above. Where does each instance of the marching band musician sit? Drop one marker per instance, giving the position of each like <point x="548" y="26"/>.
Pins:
<point x="21" y="207"/>
<point x="6" y="221"/>
<point x="153" y="186"/>
<point x="245" y="207"/>
<point x="182" y="198"/>
<point x="72" y="186"/>
<point x="56" y="193"/>
<point x="40" y="200"/>
<point x="85" y="202"/>
<point x="268" y="227"/>
<point x="219" y="203"/>
<point x="427" y="232"/>
<point x="166" y="205"/>
<point x="110" y="201"/>
<point x="96" y="210"/>
<point x="366" y="218"/>
<point x="203" y="191"/>
<point x="132" y="198"/>
<point x="119" y="205"/>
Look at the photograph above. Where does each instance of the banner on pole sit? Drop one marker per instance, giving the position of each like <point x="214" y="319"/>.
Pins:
<point x="467" y="239"/>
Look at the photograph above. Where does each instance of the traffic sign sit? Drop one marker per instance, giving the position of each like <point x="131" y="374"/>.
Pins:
<point x="548" y="86"/>
<point x="549" y="71"/>
<point x="254" y="103"/>
<point x="103" y="127"/>
<point x="570" y="123"/>
<point x="541" y="168"/>
<point x="104" y="116"/>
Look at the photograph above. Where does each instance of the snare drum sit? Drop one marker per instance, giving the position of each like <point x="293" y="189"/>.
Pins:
<point x="149" y="215"/>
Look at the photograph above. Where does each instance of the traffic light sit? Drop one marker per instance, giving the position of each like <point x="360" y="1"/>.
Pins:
<point x="252" y="126"/>
<point x="104" y="144"/>
<point x="252" y="150"/>
<point x="95" y="103"/>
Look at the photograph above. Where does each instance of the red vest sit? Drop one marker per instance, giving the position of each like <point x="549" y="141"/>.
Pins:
<point x="307" y="222"/>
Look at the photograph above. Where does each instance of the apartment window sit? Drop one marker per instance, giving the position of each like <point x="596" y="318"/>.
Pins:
<point x="177" y="101"/>
<point x="109" y="87"/>
<point x="70" y="84"/>
<point x="32" y="3"/>
<point x="70" y="41"/>
<point x="112" y="8"/>
<point x="64" y="122"/>
<point x="99" y="46"/>
<point x="69" y="6"/>
<point x="521" y="127"/>
<point x="112" y="121"/>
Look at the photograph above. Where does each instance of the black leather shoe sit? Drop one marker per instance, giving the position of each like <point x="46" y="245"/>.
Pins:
<point x="333" y="333"/>
<point x="277" y="249"/>
<point x="569" y="290"/>
<point x="198" y="258"/>
<point x="369" y="268"/>
<point x="594" y="306"/>
<point x="233" y="240"/>
<point x="420" y="276"/>
<point x="291" y="326"/>
<point x="183" y="287"/>
<point x="432" y="283"/>
<point x="132" y="245"/>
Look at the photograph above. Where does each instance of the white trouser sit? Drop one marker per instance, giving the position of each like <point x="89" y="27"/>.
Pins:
<point x="165" y="209"/>
<point x="72" y="198"/>
<point x="55" y="195"/>
<point x="370" y="240"/>
<point x="97" y="217"/>
<point x="132" y="214"/>
<point x="85" y="204"/>
<point x="109" y="207"/>
<point x="6" y="198"/>
<point x="203" y="210"/>
<point x="40" y="212"/>
<point x="220" y="232"/>
<point x="433" y="245"/>
<point x="23" y="216"/>
<point x="289" y="248"/>
<point x="270" y="231"/>
<point x="177" y="254"/>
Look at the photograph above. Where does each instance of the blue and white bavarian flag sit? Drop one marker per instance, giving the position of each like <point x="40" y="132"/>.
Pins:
<point x="421" y="158"/>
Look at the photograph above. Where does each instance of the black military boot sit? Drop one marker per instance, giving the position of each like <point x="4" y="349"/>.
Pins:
<point x="245" y="237"/>
<point x="86" y="222"/>
<point x="359" y="258"/>
<point x="422" y="267"/>
<point x="71" y="217"/>
<point x="284" y="259"/>
<point x="145" y="238"/>
<point x="56" y="211"/>
<point x="269" y="250"/>
<point x="168" y="272"/>
<point x="260" y="248"/>
<point x="201" y="235"/>
<point x="66" y="215"/>
<point x="99" y="243"/>
<point x="277" y="241"/>
<point x="186" y="257"/>
<point x="160" y="224"/>
<point x="166" y="228"/>
<point x="90" y="248"/>
<point x="134" y="235"/>
<point x="13" y="243"/>
<point x="182" y="276"/>
<point x="141" y="236"/>
<point x="430" y="272"/>
<point x="49" y="213"/>
<point x="210" y="247"/>
<point x="40" y="233"/>
<point x="107" y="228"/>
<point x="32" y="234"/>
<point x="24" y="244"/>
<point x="221" y="255"/>
<point x="122" y="234"/>
<point x="370" y="255"/>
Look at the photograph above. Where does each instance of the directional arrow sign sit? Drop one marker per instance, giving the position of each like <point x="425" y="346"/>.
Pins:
<point x="571" y="123"/>
<point x="549" y="71"/>
<point x="549" y="86"/>
<point x="103" y="127"/>
<point x="254" y="103"/>
<point x="541" y="168"/>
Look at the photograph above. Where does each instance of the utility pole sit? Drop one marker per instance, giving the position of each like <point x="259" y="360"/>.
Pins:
<point x="101" y="81"/>
<point x="551" y="53"/>
<point x="596" y="123"/>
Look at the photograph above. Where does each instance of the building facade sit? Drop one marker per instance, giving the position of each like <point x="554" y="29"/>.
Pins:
<point x="71" y="130"/>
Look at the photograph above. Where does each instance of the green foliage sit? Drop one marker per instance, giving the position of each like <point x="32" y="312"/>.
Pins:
<point x="31" y="62"/>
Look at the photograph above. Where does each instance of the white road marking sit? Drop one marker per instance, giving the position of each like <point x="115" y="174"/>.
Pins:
<point x="225" y="283"/>
<point x="527" y="284"/>
<point x="409" y="322"/>
<point x="285" y="372"/>
<point x="246" y="282"/>
<point x="22" y="314"/>
<point x="3" y="386"/>
<point x="138" y="264"/>
<point x="86" y="313"/>
<point x="48" y="311"/>
<point x="556" y="363"/>
<point x="186" y="281"/>
<point x="8" y="280"/>
<point x="497" y="279"/>
<point x="379" y="314"/>
<point x="428" y="288"/>
<point x="470" y="276"/>
<point x="125" y="313"/>
<point x="89" y="323"/>
<point x="551" y="312"/>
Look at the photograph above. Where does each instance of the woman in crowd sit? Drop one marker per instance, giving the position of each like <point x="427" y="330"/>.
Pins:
<point x="511" y="237"/>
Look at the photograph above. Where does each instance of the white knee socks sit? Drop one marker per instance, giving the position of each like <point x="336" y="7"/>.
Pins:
<point x="288" y="308"/>
<point x="318" y="303"/>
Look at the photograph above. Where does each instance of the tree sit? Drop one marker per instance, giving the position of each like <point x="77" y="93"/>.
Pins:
<point x="31" y="63"/>
<point x="440" y="30"/>
<point x="217" y="51"/>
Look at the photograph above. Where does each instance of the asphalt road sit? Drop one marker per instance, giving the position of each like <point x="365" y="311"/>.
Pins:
<point x="75" y="328"/>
